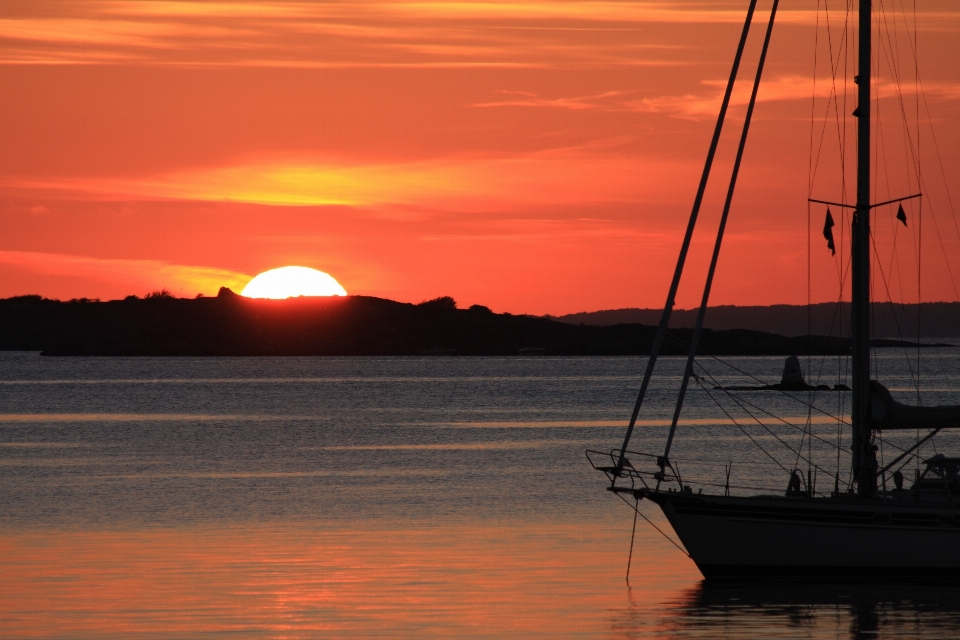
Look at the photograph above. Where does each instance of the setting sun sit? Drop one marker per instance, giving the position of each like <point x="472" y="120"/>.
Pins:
<point x="289" y="282"/>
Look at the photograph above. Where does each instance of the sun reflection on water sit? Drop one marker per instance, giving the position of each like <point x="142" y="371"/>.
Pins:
<point x="546" y="579"/>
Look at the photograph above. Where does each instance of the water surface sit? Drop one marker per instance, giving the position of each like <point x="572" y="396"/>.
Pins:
<point x="302" y="497"/>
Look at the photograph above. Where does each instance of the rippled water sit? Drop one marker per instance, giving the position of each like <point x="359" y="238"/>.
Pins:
<point x="305" y="497"/>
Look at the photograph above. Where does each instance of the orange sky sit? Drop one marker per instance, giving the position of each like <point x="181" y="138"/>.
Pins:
<point x="534" y="157"/>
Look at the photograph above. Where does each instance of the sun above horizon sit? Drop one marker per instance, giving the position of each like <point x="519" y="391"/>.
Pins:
<point x="291" y="282"/>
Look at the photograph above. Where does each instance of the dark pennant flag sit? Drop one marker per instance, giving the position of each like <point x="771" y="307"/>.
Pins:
<point x="828" y="233"/>
<point x="901" y="216"/>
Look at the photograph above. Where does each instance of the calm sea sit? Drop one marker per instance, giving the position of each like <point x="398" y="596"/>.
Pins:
<point x="337" y="497"/>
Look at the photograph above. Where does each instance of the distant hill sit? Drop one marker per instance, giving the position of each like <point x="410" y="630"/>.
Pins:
<point x="937" y="319"/>
<point x="230" y="325"/>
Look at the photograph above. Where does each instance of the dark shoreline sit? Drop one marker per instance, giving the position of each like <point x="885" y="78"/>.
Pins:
<point x="230" y="325"/>
<point x="940" y="319"/>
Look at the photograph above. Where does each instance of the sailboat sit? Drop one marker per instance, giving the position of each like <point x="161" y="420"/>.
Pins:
<point x="865" y="530"/>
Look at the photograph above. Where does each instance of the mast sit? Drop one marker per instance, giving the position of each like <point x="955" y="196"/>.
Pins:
<point x="864" y="465"/>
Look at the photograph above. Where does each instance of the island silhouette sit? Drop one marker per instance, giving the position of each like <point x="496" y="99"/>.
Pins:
<point x="231" y="325"/>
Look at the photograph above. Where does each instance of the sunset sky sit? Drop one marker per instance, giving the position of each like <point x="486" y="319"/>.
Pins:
<point x="534" y="157"/>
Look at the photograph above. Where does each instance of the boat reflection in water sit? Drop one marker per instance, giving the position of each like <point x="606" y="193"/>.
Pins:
<point x="755" y="610"/>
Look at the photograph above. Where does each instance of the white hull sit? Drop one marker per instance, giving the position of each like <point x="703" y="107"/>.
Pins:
<point x="844" y="537"/>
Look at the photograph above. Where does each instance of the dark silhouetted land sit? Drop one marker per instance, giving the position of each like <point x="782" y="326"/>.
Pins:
<point x="897" y="321"/>
<point x="230" y="325"/>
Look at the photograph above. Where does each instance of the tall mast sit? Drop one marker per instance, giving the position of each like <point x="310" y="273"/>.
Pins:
<point x="863" y="468"/>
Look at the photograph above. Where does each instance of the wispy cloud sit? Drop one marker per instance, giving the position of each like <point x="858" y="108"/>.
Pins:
<point x="696" y="106"/>
<point x="356" y="33"/>
<point x="591" y="173"/>
<point x="600" y="101"/>
<point x="547" y="230"/>
<point x="692" y="106"/>
<point x="784" y="88"/>
<point x="138" y="275"/>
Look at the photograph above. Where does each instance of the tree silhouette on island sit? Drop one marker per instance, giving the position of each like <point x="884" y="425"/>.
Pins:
<point x="230" y="325"/>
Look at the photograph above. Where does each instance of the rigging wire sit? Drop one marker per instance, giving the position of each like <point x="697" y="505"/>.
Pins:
<point x="739" y="399"/>
<point x="843" y="50"/>
<point x="685" y="345"/>
<point x="833" y="102"/>
<point x="742" y="430"/>
<point x="636" y="509"/>
<point x="919" y="93"/>
<point x="633" y="536"/>
<point x="780" y="391"/>
<point x="759" y="422"/>
<point x="883" y="278"/>
<point x="892" y="55"/>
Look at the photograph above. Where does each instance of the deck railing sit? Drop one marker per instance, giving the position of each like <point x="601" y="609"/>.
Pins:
<point x="630" y="477"/>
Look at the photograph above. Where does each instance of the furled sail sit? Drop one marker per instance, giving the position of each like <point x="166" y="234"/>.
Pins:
<point x="890" y="414"/>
